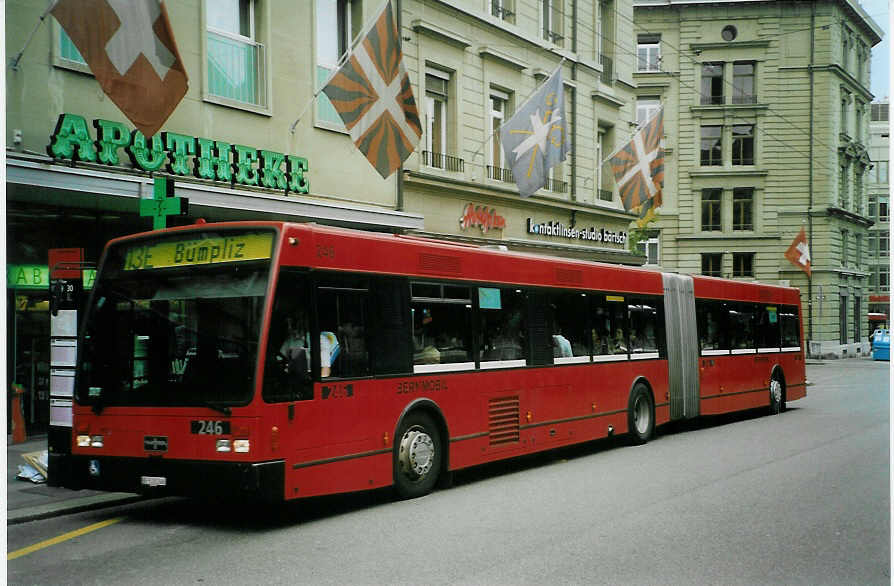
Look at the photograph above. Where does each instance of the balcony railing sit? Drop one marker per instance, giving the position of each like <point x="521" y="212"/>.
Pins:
<point x="236" y="69"/>
<point x="500" y="11"/>
<point x="556" y="186"/>
<point x="442" y="161"/>
<point x="500" y="174"/>
<point x="712" y="100"/>
<point x="745" y="99"/>
<point x="553" y="36"/>
<point x="608" y="69"/>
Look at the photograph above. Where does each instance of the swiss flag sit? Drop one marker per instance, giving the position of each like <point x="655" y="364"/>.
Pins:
<point x="129" y="46"/>
<point x="799" y="252"/>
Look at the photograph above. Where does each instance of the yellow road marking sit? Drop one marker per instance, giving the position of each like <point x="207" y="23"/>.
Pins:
<point x="64" y="537"/>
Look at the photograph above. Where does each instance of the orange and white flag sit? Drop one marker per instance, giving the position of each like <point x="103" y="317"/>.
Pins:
<point x="372" y="94"/>
<point x="129" y="46"/>
<point x="799" y="252"/>
<point x="638" y="167"/>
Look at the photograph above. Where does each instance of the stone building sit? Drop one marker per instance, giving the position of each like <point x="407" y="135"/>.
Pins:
<point x="767" y="110"/>
<point x="878" y="194"/>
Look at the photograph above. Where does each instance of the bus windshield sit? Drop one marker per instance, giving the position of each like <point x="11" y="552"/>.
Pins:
<point x="172" y="336"/>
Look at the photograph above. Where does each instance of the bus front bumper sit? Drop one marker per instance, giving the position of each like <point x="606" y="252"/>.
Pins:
<point x="261" y="481"/>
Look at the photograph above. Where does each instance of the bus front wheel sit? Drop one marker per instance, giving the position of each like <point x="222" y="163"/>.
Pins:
<point x="640" y="414"/>
<point x="417" y="455"/>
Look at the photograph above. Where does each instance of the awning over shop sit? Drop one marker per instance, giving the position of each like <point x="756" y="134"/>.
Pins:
<point x="41" y="180"/>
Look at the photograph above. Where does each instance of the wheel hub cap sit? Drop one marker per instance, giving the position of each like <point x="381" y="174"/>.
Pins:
<point x="417" y="452"/>
<point x="641" y="415"/>
<point x="776" y="391"/>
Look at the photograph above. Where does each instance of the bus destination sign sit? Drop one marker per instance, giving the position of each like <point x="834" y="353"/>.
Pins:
<point x="181" y="253"/>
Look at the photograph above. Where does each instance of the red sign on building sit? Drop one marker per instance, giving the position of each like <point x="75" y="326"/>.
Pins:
<point x="481" y="216"/>
<point x="66" y="263"/>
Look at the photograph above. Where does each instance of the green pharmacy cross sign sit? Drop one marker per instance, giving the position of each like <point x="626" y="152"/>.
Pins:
<point x="163" y="204"/>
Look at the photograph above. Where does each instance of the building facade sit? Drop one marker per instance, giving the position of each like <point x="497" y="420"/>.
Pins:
<point x="475" y="62"/>
<point x="878" y="194"/>
<point x="767" y="110"/>
<point x="254" y="68"/>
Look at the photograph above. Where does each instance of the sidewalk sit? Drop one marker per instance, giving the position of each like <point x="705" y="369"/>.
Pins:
<point x="27" y="501"/>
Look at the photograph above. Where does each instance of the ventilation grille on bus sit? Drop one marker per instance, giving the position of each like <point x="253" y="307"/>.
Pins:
<point x="438" y="263"/>
<point x="572" y="276"/>
<point x="503" y="422"/>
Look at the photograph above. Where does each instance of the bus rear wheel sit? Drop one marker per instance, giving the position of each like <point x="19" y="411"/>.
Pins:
<point x="776" y="392"/>
<point x="417" y="455"/>
<point x="640" y="414"/>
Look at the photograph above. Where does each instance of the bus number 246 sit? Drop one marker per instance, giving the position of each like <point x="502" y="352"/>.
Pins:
<point x="209" y="427"/>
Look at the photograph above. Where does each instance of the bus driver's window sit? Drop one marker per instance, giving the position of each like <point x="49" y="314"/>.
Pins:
<point x="287" y="367"/>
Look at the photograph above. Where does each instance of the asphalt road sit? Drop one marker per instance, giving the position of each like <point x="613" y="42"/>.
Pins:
<point x="800" y="498"/>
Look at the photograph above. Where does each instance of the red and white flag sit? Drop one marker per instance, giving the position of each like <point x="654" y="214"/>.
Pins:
<point x="129" y="46"/>
<point x="372" y="94"/>
<point x="799" y="252"/>
<point x="638" y="166"/>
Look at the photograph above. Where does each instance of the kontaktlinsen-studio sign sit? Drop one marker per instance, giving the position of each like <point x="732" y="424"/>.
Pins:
<point x="555" y="229"/>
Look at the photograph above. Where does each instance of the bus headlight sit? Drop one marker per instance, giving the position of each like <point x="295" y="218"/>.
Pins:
<point x="83" y="441"/>
<point x="241" y="446"/>
<point x="96" y="441"/>
<point x="223" y="445"/>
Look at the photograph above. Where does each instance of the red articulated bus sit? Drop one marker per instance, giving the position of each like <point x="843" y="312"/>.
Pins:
<point x="279" y="361"/>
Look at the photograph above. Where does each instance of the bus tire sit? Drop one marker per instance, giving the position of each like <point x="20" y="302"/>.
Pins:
<point x="640" y="414"/>
<point x="777" y="394"/>
<point x="418" y="454"/>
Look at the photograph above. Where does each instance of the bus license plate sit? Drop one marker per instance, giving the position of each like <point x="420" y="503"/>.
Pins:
<point x="209" y="427"/>
<point x="153" y="481"/>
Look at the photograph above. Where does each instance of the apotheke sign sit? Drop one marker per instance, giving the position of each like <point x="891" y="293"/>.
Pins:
<point x="556" y="229"/>
<point x="211" y="159"/>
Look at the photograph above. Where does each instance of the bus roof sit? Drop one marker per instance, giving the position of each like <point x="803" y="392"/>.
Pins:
<point x="423" y="257"/>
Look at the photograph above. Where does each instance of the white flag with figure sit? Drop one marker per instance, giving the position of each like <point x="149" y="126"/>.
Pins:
<point x="534" y="140"/>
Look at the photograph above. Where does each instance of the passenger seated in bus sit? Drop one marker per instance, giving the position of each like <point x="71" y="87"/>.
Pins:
<point x="329" y="349"/>
<point x="618" y="345"/>
<point x="503" y="346"/>
<point x="561" y="346"/>
<point x="428" y="355"/>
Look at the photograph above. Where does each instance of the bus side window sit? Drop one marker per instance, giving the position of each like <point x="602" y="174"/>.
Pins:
<point x="442" y="326"/>
<point x="741" y="326"/>
<point x="503" y="331"/>
<point x="768" y="327"/>
<point x="570" y="325"/>
<point x="287" y="364"/>
<point x="609" y="328"/>
<point x="646" y="331"/>
<point x="391" y="345"/>
<point x="712" y="329"/>
<point x="791" y="330"/>
<point x="342" y="320"/>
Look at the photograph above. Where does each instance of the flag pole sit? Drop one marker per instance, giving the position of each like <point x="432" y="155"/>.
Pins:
<point x="14" y="65"/>
<point x="500" y="127"/>
<point x="360" y="36"/>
